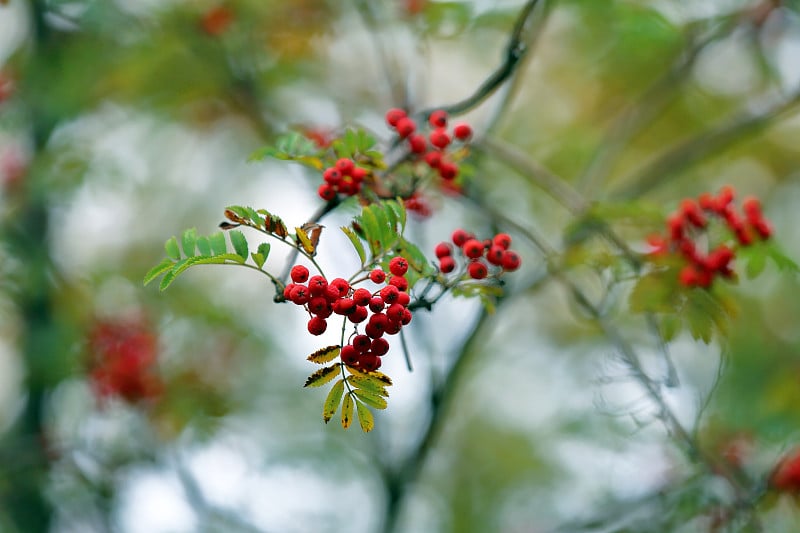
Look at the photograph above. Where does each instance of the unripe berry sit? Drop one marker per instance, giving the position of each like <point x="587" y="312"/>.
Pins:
<point x="377" y="276"/>
<point x="326" y="192"/>
<point x="473" y="248"/>
<point x="394" y="115"/>
<point x="460" y="236"/>
<point x="376" y="304"/>
<point x="349" y="355"/>
<point x="438" y="119"/>
<point x="362" y="296"/>
<point x="448" y="171"/>
<point x="299" y="295"/>
<point x="462" y="131"/>
<point x="359" y="315"/>
<point x="477" y="270"/>
<point x="434" y="159"/>
<point x="418" y="144"/>
<point x="405" y="127"/>
<point x="299" y="274"/>
<point x="370" y="362"/>
<point x="439" y="138"/>
<point x="379" y="346"/>
<point x="503" y="240"/>
<point x="447" y="264"/>
<point x="317" y="325"/>
<point x="345" y="166"/>
<point x="362" y="343"/>
<point x="398" y="266"/>
<point x="511" y="260"/>
<point x="442" y="250"/>
<point x="400" y="282"/>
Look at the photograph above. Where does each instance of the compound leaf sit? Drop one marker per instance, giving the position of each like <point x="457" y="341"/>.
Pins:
<point x="159" y="269"/>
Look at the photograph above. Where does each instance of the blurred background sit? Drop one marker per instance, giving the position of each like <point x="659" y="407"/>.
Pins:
<point x="125" y="409"/>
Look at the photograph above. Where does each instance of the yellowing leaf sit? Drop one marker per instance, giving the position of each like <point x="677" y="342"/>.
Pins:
<point x="347" y="411"/>
<point x="365" y="417"/>
<point x="324" y="355"/>
<point x="382" y="378"/>
<point x="305" y="241"/>
<point x="322" y="376"/>
<point x="332" y="401"/>
<point x="368" y="383"/>
<point x="370" y="399"/>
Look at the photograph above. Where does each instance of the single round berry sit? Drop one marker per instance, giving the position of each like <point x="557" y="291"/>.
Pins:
<point x="332" y="176"/>
<point x="403" y="299"/>
<point x="389" y="294"/>
<point x="317" y="285"/>
<point x="448" y="171"/>
<point x="442" y="250"/>
<point x="348" y="187"/>
<point x="511" y="260"/>
<point x="439" y="138"/>
<point x="460" y="236"/>
<point x="394" y="115"/>
<point x="395" y="312"/>
<point x="393" y="328"/>
<point x="462" y="131"/>
<point x="317" y="325"/>
<point x="345" y="306"/>
<point x="341" y="285"/>
<point x="477" y="270"/>
<point x="349" y="355"/>
<point x="326" y="192"/>
<point x="400" y="282"/>
<point x="317" y="305"/>
<point x="398" y="266"/>
<point x="331" y="293"/>
<point x="447" y="264"/>
<point x="434" y="159"/>
<point x="376" y="304"/>
<point x="359" y="315"/>
<point x="287" y="291"/>
<point x="362" y="343"/>
<point x="299" y="295"/>
<point x="379" y="346"/>
<point x="345" y="166"/>
<point x="495" y="255"/>
<point x="405" y="127"/>
<point x="376" y="325"/>
<point x="362" y="296"/>
<point x="751" y="206"/>
<point x="369" y="362"/>
<point x="418" y="144"/>
<point x="503" y="240"/>
<point x="377" y="276"/>
<point x="438" y="119"/>
<point x="299" y="274"/>
<point x="473" y="248"/>
<point x="406" y="317"/>
<point x="358" y="174"/>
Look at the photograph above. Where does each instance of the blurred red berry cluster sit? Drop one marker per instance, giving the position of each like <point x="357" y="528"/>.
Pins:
<point x="786" y="476"/>
<point x="123" y="358"/>
<point x="344" y="178"/>
<point x="689" y="227"/>
<point x="216" y="20"/>
<point x="494" y="251"/>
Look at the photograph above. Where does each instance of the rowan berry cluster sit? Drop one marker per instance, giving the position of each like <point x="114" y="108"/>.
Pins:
<point x="384" y="310"/>
<point x="494" y="251"/>
<point x="344" y="177"/>
<point x="786" y="475"/>
<point x="433" y="149"/>
<point x="690" y="225"/>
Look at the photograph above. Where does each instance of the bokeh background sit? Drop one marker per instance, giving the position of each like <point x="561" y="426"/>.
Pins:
<point x="125" y="409"/>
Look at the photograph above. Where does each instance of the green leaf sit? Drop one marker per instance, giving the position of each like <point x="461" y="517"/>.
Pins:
<point x="347" y="411"/>
<point x="356" y="242"/>
<point x="755" y="265"/>
<point x="322" y="376"/>
<point x="260" y="257"/>
<point x="365" y="418"/>
<point x="368" y="383"/>
<point x="203" y="245"/>
<point x="325" y="355"/>
<point x="332" y="401"/>
<point x="188" y="262"/>
<point x="655" y="292"/>
<point x="670" y="327"/>
<point x="159" y="269"/>
<point x="218" y="245"/>
<point x="188" y="241"/>
<point x="371" y="399"/>
<point x="381" y="377"/>
<point x="239" y="243"/>
<point x="171" y="246"/>
<point x="372" y="231"/>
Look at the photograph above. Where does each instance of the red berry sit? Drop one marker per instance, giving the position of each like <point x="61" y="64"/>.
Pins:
<point x="370" y="362"/>
<point x="706" y="201"/>
<point x="462" y="131"/>
<point x="442" y="250"/>
<point x="751" y="206"/>
<point x="375" y="330"/>
<point x="439" y="138"/>
<point x="763" y="228"/>
<point x="317" y="285"/>
<point x="473" y="248"/>
<point x="317" y="305"/>
<point x="495" y="255"/>
<point x="460" y="236"/>
<point x="359" y="315"/>
<point x="358" y="174"/>
<point x="377" y="276"/>
<point x="392" y="328"/>
<point x="786" y="476"/>
<point x="348" y="187"/>
<point x="362" y="343"/>
<point x="418" y="144"/>
<point x="403" y="299"/>
<point x="389" y="294"/>
<point x="287" y="291"/>
<point x="675" y="224"/>
<point x="400" y="282"/>
<point x="477" y="270"/>
<point x="299" y="274"/>
<point x="341" y="286"/>
<point x="362" y="296"/>
<point x="331" y="293"/>
<point x="438" y="119"/>
<point x="405" y="127"/>
<point x="448" y="171"/>
<point x="317" y="325"/>
<point x="434" y="159"/>
<point x="394" y="115"/>
<point x="406" y="317"/>
<point x="376" y="304"/>
<point x="332" y="176"/>
<point x="689" y="276"/>
<point x="395" y="312"/>
<point x="345" y="306"/>
<point x="326" y="192"/>
<point x="379" y="346"/>
<point x="398" y="266"/>
<point x="511" y="260"/>
<point x="345" y="166"/>
<point x="299" y="295"/>
<point x="447" y="264"/>
<point x="503" y="240"/>
<point x="349" y="355"/>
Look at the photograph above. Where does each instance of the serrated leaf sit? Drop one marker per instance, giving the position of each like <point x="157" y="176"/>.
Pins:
<point x="325" y="355"/>
<point x="260" y="257"/>
<point x="203" y="246"/>
<point x="171" y="247"/>
<point x="239" y="243"/>
<point x="217" y="242"/>
<point x="365" y="418"/>
<point x="371" y="399"/>
<point x="322" y="376"/>
<point x="170" y="276"/>
<point x="159" y="269"/>
<point x="368" y="383"/>
<point x="347" y="411"/>
<point x="356" y="242"/>
<point x="188" y="241"/>
<point x="273" y="224"/>
<point x="332" y="401"/>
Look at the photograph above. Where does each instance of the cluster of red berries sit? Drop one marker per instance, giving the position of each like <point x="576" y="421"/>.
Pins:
<point x="344" y="177"/>
<point x="692" y="219"/>
<point x="495" y="251"/>
<point x="388" y="304"/>
<point x="438" y="138"/>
